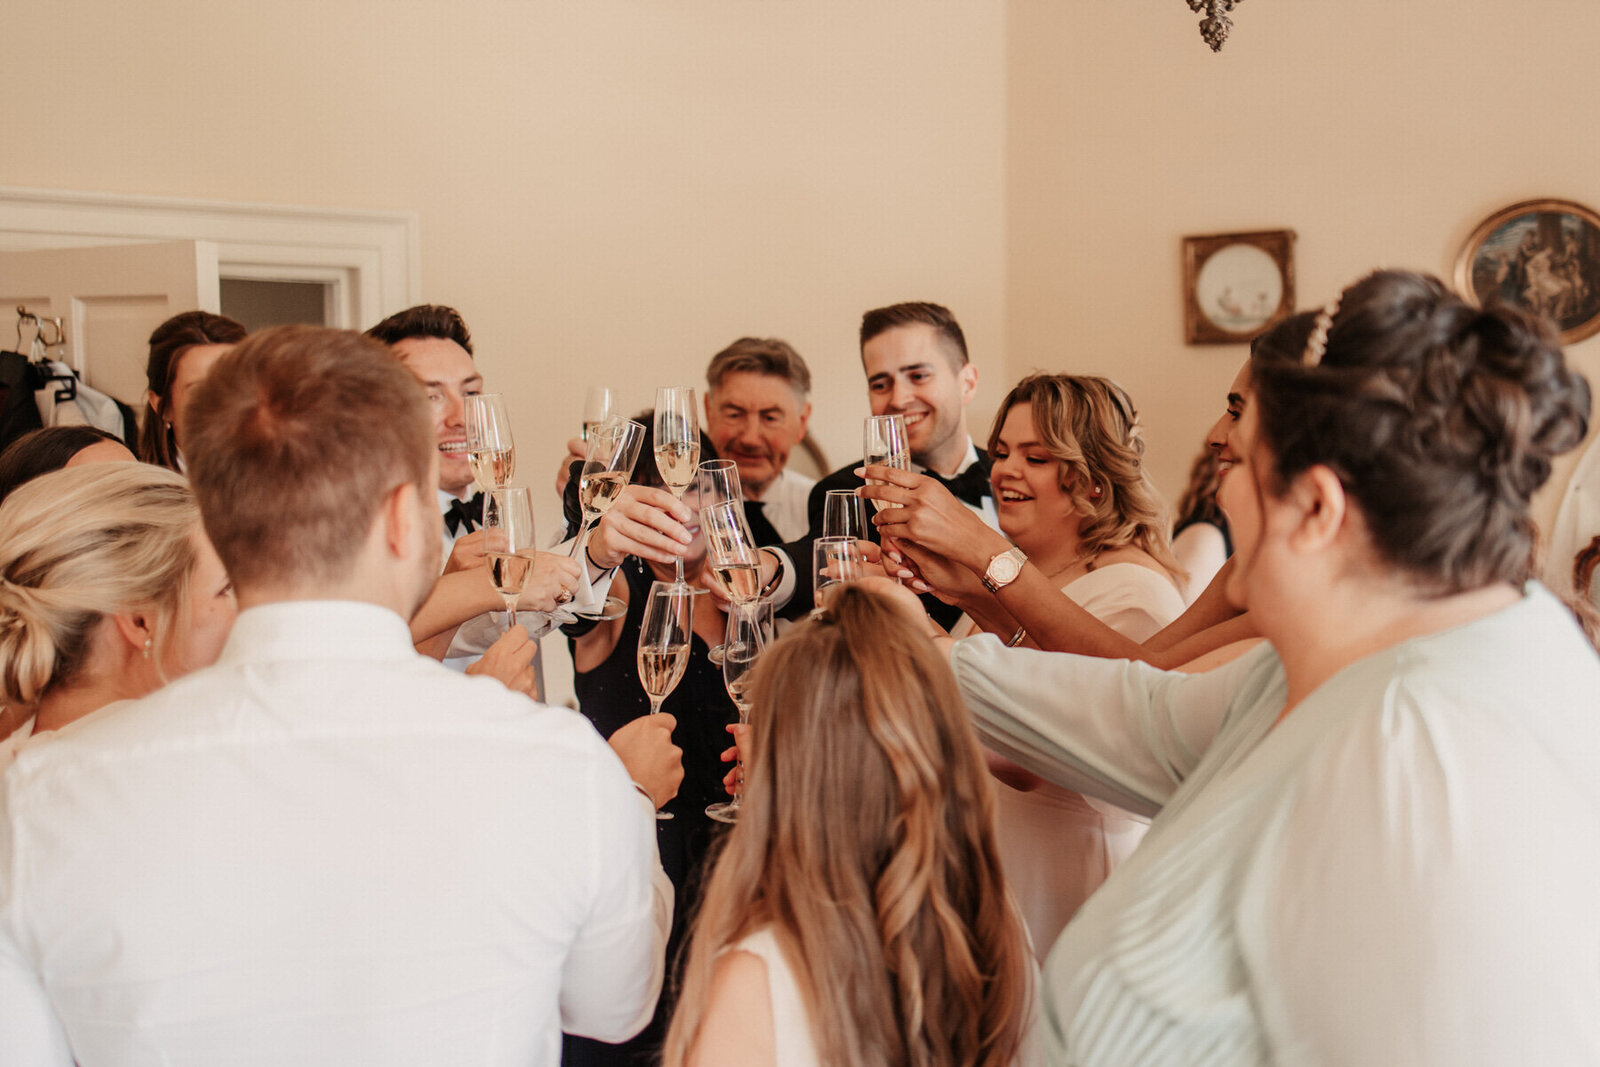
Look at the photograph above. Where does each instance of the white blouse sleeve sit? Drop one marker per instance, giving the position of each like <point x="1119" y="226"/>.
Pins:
<point x="1117" y="730"/>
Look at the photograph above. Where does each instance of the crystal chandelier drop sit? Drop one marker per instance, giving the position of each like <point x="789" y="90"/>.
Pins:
<point x="1215" y="26"/>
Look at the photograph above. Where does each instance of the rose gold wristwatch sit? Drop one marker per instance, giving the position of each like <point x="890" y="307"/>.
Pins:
<point x="1003" y="569"/>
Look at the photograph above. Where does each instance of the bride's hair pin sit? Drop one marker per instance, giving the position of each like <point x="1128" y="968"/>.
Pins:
<point x="1317" y="343"/>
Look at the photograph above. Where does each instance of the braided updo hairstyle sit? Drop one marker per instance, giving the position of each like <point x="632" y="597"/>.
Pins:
<point x="78" y="545"/>
<point x="1440" y="419"/>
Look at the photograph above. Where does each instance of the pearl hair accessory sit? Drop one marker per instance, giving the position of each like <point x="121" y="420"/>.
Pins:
<point x="1317" y="343"/>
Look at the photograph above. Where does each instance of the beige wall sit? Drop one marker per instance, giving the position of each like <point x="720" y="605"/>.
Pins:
<point x="612" y="190"/>
<point x="609" y="190"/>
<point x="1381" y="131"/>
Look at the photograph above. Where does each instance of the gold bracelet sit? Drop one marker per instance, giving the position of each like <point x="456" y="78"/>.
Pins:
<point x="1017" y="638"/>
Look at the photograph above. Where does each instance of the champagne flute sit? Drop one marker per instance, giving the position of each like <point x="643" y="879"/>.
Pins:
<point x="749" y="632"/>
<point x="841" y="555"/>
<point x="731" y="550"/>
<point x="842" y="515"/>
<point x="719" y="483"/>
<point x="490" y="448"/>
<point x="599" y="404"/>
<point x="607" y="466"/>
<point x="677" y="442"/>
<point x="884" y="445"/>
<point x="509" y="543"/>
<point x="665" y="636"/>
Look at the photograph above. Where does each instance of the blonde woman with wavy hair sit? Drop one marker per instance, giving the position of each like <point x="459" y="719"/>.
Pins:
<point x="857" y="913"/>
<point x="1073" y="499"/>
<point x="1090" y="428"/>
<point x="108" y="590"/>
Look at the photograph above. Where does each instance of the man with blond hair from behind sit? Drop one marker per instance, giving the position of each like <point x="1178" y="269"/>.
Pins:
<point x="325" y="849"/>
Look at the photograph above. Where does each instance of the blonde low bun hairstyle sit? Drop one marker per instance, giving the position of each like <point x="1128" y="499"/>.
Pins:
<point x="82" y="544"/>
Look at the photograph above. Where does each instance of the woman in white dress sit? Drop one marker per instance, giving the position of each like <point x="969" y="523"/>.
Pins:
<point x="1376" y="836"/>
<point x="1072" y="495"/>
<point x="109" y="588"/>
<point x="857" y="914"/>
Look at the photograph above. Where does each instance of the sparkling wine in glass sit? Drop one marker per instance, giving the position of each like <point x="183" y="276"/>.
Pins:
<point x="599" y="404"/>
<point x="509" y="543"/>
<point x="884" y="445"/>
<point x="748" y="634"/>
<point x="665" y="637"/>
<point x="719" y="483"/>
<point x="607" y="467"/>
<point x="677" y="442"/>
<point x="731" y="550"/>
<point x="490" y="448"/>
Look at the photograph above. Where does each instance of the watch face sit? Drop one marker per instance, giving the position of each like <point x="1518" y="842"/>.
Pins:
<point x="1003" y="569"/>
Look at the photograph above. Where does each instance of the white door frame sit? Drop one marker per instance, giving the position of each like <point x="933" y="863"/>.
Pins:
<point x="370" y="260"/>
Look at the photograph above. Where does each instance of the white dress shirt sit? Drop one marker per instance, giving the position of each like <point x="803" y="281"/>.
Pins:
<point x="784" y="504"/>
<point x="326" y="849"/>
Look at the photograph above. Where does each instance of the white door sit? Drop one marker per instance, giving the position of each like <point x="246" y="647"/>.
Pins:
<point x="109" y="300"/>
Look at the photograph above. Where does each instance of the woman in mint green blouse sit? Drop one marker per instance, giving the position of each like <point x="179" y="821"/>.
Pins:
<point x="1377" y="837"/>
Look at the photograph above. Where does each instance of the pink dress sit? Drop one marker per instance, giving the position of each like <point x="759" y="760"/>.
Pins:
<point x="1057" y="846"/>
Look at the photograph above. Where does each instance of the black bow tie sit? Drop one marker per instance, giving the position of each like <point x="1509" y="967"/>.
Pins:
<point x="971" y="485"/>
<point x="464" y="514"/>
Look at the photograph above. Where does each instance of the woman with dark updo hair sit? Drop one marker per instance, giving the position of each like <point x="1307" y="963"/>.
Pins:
<point x="1376" y="836"/>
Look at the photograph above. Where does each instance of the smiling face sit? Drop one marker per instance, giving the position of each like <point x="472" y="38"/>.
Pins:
<point x="448" y="374"/>
<point x="911" y="373"/>
<point x="1243" y="497"/>
<point x="755" y="420"/>
<point x="1220" y="437"/>
<point x="1033" y="507"/>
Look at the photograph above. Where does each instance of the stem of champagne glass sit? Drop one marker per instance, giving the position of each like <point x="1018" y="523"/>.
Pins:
<point x="582" y="540"/>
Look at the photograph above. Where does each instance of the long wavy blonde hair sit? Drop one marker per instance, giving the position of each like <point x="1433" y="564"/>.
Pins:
<point x="1092" y="428"/>
<point x="865" y="842"/>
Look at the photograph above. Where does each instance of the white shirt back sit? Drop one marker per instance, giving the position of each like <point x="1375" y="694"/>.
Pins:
<point x="324" y="850"/>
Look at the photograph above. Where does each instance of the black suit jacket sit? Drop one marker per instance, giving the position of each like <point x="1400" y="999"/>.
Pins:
<point x="799" y="552"/>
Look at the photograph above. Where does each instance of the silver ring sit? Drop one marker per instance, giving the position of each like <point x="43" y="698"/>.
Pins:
<point x="565" y="597"/>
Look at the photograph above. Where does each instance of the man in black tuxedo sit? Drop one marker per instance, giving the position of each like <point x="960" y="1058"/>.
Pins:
<point x="915" y="359"/>
<point x="435" y="345"/>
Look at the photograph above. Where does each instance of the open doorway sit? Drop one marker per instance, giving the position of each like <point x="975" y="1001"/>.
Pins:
<point x="258" y="303"/>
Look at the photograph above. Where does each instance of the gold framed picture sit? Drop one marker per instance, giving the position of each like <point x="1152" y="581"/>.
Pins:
<point x="1542" y="256"/>
<point x="1236" y="285"/>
